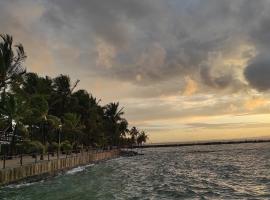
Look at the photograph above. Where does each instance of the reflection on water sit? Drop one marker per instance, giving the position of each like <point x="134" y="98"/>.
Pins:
<point x="200" y="172"/>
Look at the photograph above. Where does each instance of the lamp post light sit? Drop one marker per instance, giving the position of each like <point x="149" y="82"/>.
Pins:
<point x="59" y="140"/>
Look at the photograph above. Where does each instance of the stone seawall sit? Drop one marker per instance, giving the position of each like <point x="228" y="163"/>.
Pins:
<point x="11" y="175"/>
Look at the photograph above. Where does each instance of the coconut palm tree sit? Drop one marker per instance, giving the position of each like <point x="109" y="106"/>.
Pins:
<point x="134" y="132"/>
<point x="11" y="62"/>
<point x="34" y="84"/>
<point x="72" y="127"/>
<point x="142" y="138"/>
<point x="54" y="125"/>
<point x="113" y="112"/>
<point x="62" y="94"/>
<point x="13" y="112"/>
<point x="114" y="122"/>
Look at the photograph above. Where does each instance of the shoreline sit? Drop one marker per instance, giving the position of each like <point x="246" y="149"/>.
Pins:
<point x="47" y="176"/>
<point x="201" y="143"/>
<point x="43" y="170"/>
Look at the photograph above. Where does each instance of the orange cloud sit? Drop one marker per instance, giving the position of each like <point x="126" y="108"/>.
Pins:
<point x="254" y="103"/>
<point x="191" y="87"/>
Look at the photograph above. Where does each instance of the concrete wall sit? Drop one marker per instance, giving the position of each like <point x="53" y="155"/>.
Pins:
<point x="11" y="175"/>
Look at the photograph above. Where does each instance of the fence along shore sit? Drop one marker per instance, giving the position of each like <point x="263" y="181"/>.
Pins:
<point x="23" y="167"/>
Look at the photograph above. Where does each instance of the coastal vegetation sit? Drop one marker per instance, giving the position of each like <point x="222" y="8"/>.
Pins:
<point x="43" y="114"/>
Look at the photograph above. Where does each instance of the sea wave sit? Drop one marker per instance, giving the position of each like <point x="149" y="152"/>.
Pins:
<point x="23" y="184"/>
<point x="78" y="169"/>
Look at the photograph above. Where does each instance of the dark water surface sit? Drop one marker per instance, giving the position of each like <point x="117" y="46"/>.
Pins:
<point x="200" y="172"/>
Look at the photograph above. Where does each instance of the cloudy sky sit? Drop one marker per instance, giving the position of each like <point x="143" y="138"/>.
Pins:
<point x="183" y="69"/>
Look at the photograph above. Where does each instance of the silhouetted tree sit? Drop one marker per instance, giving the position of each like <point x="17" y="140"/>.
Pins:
<point x="10" y="61"/>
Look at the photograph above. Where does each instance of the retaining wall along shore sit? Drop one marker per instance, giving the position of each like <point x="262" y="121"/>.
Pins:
<point x="11" y="175"/>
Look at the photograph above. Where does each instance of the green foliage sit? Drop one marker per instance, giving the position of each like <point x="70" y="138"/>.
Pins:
<point x="53" y="147"/>
<point x="13" y="108"/>
<point x="33" y="85"/>
<point x="142" y="138"/>
<point x="66" y="146"/>
<point x="11" y="59"/>
<point x="71" y="121"/>
<point x="39" y="107"/>
<point x="31" y="147"/>
<point x="54" y="122"/>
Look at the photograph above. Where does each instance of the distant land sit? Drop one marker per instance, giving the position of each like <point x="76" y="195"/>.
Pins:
<point x="206" y="142"/>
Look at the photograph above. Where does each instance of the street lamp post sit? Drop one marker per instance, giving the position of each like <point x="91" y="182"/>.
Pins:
<point x="59" y="140"/>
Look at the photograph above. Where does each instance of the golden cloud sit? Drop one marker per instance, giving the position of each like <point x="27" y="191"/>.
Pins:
<point x="255" y="102"/>
<point x="191" y="87"/>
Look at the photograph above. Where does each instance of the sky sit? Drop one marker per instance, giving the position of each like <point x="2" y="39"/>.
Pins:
<point x="184" y="70"/>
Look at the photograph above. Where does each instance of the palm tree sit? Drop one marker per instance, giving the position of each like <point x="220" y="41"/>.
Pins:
<point x="34" y="84"/>
<point x="142" y="137"/>
<point x="63" y="86"/>
<point x="73" y="127"/>
<point x="113" y="112"/>
<point x="39" y="116"/>
<point x="123" y="127"/>
<point x="54" y="124"/>
<point x="13" y="111"/>
<point x="11" y="68"/>
<point x="63" y="90"/>
<point x="134" y="132"/>
<point x="114" y="122"/>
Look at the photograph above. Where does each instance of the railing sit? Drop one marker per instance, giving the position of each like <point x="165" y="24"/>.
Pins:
<point x="7" y="137"/>
<point x="7" y="161"/>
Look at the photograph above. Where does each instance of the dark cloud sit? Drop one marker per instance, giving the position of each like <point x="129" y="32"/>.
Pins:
<point x="111" y="20"/>
<point x="151" y="42"/>
<point x="143" y="30"/>
<point x="258" y="73"/>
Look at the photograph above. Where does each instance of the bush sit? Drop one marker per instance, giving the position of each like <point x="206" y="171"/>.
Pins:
<point x="66" y="146"/>
<point x="31" y="147"/>
<point x="37" y="147"/>
<point x="77" y="148"/>
<point x="53" y="147"/>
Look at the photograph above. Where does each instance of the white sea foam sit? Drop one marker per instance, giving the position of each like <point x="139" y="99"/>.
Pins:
<point x="78" y="169"/>
<point x="24" y="184"/>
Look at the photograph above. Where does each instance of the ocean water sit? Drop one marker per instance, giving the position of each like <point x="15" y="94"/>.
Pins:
<point x="239" y="171"/>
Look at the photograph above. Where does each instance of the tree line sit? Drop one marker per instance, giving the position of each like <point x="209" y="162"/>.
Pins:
<point x="39" y="114"/>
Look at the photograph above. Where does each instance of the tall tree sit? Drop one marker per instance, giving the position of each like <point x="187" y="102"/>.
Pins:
<point x="11" y="60"/>
<point x="34" y="84"/>
<point x="113" y="120"/>
<point x="72" y="128"/>
<point x="61" y="97"/>
<point x="134" y="132"/>
<point x="142" y="138"/>
<point x="13" y="111"/>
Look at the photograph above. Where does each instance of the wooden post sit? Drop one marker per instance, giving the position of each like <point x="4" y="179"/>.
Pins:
<point x="4" y="161"/>
<point x="21" y="159"/>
